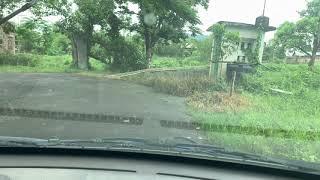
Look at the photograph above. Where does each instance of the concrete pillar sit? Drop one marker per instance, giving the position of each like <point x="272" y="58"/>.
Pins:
<point x="261" y="45"/>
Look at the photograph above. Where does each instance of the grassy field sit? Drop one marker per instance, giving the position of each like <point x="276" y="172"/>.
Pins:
<point x="47" y="64"/>
<point x="268" y="123"/>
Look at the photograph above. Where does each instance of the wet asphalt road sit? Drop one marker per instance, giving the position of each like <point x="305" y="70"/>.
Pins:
<point x="75" y="94"/>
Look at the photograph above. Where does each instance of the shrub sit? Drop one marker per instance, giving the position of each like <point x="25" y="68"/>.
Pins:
<point x="163" y="62"/>
<point x="294" y="78"/>
<point x="127" y="56"/>
<point x="19" y="60"/>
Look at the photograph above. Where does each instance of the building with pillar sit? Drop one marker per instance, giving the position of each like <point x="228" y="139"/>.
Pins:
<point x="252" y="39"/>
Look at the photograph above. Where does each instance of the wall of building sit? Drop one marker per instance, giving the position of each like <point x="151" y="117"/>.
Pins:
<point x="7" y="42"/>
<point x="248" y="39"/>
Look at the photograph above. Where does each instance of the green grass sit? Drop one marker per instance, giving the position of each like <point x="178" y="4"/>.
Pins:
<point x="54" y="64"/>
<point x="285" y="126"/>
<point x="164" y="62"/>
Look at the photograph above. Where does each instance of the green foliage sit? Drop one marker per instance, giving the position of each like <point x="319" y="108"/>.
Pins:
<point x="28" y="38"/>
<point x="170" y="50"/>
<point x="204" y="48"/>
<point x="18" y="60"/>
<point x="127" y="56"/>
<point x="258" y="128"/>
<point x="304" y="35"/>
<point x="60" y="45"/>
<point x="225" y="42"/>
<point x="163" y="62"/>
<point x="294" y="78"/>
<point x="273" y="53"/>
<point x="42" y="63"/>
<point x="166" y="21"/>
<point x="39" y="37"/>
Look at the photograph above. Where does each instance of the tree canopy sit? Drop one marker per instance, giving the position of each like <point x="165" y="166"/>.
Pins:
<point x="304" y="35"/>
<point x="166" y="20"/>
<point x="9" y="7"/>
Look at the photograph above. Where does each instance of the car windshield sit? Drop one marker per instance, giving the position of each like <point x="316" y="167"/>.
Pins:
<point x="211" y="78"/>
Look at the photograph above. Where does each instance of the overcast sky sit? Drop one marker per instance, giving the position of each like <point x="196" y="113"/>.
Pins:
<point x="246" y="11"/>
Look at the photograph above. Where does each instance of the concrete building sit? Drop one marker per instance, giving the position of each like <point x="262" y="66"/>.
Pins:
<point x="7" y="42"/>
<point x="251" y="36"/>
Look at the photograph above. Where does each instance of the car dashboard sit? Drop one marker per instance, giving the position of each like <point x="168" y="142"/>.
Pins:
<point x="97" y="165"/>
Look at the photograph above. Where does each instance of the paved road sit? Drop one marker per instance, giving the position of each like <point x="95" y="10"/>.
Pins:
<point x="70" y="93"/>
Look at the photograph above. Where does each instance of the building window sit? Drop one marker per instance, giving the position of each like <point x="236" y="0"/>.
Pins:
<point x="249" y="46"/>
<point x="243" y="59"/>
<point x="239" y="59"/>
<point x="243" y="44"/>
<point x="1" y="42"/>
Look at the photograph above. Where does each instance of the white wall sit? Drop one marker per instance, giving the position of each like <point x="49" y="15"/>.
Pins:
<point x="247" y="36"/>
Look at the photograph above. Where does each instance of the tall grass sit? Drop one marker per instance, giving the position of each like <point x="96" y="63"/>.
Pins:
<point x="298" y="114"/>
<point x="179" y="83"/>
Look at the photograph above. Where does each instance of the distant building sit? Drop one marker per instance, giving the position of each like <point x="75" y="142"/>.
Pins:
<point x="299" y="58"/>
<point x="250" y="35"/>
<point x="7" y="42"/>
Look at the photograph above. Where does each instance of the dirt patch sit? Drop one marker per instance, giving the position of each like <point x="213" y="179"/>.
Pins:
<point x="218" y="102"/>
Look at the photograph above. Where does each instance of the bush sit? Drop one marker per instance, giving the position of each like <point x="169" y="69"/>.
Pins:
<point x="295" y="78"/>
<point x="163" y="62"/>
<point x="127" y="56"/>
<point x="172" y="50"/>
<point x="19" y="60"/>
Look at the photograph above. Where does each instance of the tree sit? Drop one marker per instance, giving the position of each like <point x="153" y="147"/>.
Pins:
<point x="7" y="5"/>
<point x="166" y="20"/>
<point x="273" y="52"/>
<point x="29" y="38"/>
<point x="303" y="36"/>
<point x="79" y="17"/>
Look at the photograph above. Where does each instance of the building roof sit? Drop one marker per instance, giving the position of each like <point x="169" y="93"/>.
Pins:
<point x="241" y="25"/>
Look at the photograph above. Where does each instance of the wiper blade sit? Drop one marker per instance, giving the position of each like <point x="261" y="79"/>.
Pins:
<point x="217" y="152"/>
<point x="106" y="143"/>
<point x="8" y="141"/>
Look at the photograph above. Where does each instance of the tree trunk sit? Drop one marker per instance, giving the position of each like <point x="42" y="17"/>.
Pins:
<point x="148" y="45"/>
<point x="74" y="53"/>
<point x="80" y="51"/>
<point x="316" y="45"/>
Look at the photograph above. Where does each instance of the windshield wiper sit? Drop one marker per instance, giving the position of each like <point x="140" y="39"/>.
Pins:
<point x="7" y="141"/>
<point x="106" y="143"/>
<point x="162" y="146"/>
<point x="251" y="159"/>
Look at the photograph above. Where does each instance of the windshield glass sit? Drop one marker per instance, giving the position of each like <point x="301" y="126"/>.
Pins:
<point x="228" y="77"/>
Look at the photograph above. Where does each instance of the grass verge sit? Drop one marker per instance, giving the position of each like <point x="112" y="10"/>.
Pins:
<point x="49" y="64"/>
